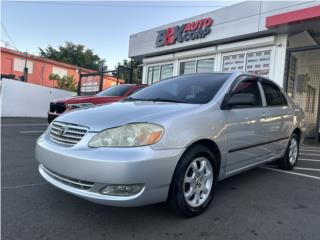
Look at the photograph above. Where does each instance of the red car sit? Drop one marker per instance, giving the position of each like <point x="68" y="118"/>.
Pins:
<point x="109" y="95"/>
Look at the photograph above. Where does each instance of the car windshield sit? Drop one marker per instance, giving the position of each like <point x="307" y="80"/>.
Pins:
<point x="118" y="90"/>
<point x="193" y="88"/>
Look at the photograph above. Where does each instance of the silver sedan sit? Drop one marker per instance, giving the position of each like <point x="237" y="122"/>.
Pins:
<point x="172" y="141"/>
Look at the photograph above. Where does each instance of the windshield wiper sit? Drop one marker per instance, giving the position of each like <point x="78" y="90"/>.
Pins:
<point x="153" y="100"/>
<point x="133" y="99"/>
<point x="163" y="100"/>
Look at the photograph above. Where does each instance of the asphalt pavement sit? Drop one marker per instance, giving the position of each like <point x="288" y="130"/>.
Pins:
<point x="263" y="203"/>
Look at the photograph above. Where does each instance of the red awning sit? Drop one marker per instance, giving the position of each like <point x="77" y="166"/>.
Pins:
<point x="306" y="14"/>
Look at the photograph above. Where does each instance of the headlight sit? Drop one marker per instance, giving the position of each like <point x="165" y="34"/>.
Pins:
<point x="129" y="135"/>
<point x="79" y="105"/>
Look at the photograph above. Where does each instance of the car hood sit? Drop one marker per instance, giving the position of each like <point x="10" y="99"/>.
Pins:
<point x="89" y="99"/>
<point x="69" y="98"/>
<point x="120" y="113"/>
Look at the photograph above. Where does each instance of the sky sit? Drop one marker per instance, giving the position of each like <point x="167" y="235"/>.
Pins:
<point x="102" y="26"/>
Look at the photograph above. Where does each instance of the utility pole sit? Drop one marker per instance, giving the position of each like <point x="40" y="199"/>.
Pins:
<point x="101" y="77"/>
<point x="79" y="82"/>
<point x="25" y="70"/>
<point x="131" y="70"/>
<point x="118" y="72"/>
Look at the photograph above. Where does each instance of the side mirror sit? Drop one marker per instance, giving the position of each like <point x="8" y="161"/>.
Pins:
<point x="241" y="100"/>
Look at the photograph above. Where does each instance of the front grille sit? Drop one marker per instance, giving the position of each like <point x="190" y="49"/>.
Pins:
<point x="65" y="133"/>
<point x="57" y="107"/>
<point x="73" y="182"/>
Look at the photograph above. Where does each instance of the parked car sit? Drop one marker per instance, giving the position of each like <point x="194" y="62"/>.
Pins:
<point x="172" y="141"/>
<point x="109" y="95"/>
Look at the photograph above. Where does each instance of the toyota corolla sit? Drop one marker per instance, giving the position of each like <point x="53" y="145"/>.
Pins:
<point x="172" y="141"/>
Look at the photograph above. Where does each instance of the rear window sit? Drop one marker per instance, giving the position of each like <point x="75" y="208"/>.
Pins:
<point x="193" y="88"/>
<point x="137" y="90"/>
<point x="118" y="90"/>
<point x="274" y="96"/>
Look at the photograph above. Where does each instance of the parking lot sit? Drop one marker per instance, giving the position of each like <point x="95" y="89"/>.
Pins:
<point x="264" y="203"/>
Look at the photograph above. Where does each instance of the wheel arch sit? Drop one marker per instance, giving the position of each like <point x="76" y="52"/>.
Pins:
<point x="210" y="144"/>
<point x="213" y="147"/>
<point x="297" y="131"/>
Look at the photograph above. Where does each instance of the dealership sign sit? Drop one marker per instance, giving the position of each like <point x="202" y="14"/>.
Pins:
<point x="90" y="84"/>
<point x="185" y="32"/>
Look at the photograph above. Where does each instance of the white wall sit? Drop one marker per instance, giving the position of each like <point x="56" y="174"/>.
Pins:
<point x="20" y="99"/>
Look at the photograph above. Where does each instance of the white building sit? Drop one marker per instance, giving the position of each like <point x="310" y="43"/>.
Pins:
<point x="276" y="39"/>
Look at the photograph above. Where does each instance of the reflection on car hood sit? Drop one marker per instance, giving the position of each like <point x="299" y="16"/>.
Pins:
<point x="117" y="114"/>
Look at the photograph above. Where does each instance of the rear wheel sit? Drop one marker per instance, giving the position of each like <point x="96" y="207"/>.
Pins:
<point x="194" y="182"/>
<point x="291" y="156"/>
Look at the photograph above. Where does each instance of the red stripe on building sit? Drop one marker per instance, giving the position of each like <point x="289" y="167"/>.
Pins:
<point x="42" y="68"/>
<point x="293" y="17"/>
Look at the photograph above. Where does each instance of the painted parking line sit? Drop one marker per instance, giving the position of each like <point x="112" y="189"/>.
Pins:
<point x="24" y="124"/>
<point x="27" y="132"/>
<point x="309" y="160"/>
<point x="310" y="154"/>
<point x="309" y="150"/>
<point x="291" y="172"/>
<point x="307" y="169"/>
<point x="23" y="186"/>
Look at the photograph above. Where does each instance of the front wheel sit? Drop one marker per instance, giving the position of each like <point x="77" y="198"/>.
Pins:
<point x="194" y="182"/>
<point x="291" y="156"/>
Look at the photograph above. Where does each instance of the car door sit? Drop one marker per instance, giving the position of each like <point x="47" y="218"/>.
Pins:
<point x="245" y="131"/>
<point x="279" y="118"/>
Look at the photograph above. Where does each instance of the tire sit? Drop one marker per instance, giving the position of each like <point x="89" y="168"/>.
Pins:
<point x="291" y="156"/>
<point x="192" y="186"/>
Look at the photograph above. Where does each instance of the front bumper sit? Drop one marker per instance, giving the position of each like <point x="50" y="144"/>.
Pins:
<point x="103" y="166"/>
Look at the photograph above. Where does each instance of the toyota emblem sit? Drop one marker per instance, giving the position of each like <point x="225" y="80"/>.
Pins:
<point x="62" y="131"/>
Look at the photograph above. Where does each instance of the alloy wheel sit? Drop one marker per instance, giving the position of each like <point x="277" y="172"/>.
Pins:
<point x="293" y="151"/>
<point x="198" y="182"/>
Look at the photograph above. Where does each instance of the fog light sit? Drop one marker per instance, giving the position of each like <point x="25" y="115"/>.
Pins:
<point x="122" y="190"/>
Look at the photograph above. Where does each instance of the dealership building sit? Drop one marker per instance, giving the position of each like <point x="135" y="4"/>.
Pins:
<point x="276" y="39"/>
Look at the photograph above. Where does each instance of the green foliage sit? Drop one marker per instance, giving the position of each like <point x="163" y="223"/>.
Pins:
<point x="66" y="82"/>
<point x="75" y="54"/>
<point x="136" y="72"/>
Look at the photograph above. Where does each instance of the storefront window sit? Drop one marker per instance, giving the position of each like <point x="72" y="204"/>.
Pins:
<point x="200" y="66"/>
<point x="160" y="72"/>
<point x="205" y="65"/>
<point x="292" y="76"/>
<point x="187" y="67"/>
<point x="233" y="63"/>
<point x="258" y="63"/>
<point x="153" y="74"/>
<point x="166" y="71"/>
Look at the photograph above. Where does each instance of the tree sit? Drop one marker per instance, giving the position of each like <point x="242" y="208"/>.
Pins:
<point x="124" y="72"/>
<point x="75" y="54"/>
<point x="66" y="82"/>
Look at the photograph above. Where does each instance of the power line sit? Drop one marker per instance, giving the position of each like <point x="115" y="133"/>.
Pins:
<point x="6" y="43"/>
<point x="115" y="5"/>
<point x="8" y="35"/>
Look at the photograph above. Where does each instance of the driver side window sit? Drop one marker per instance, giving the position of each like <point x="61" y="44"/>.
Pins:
<point x="249" y="87"/>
